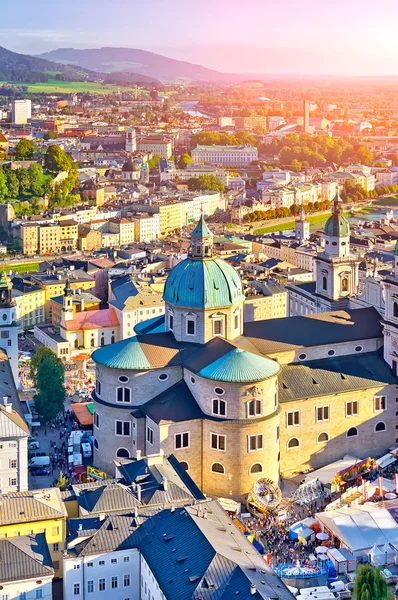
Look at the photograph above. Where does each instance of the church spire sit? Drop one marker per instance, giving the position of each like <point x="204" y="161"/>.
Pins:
<point x="201" y="240"/>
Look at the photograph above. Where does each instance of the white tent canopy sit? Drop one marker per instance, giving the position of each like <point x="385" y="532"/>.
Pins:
<point x="361" y="528"/>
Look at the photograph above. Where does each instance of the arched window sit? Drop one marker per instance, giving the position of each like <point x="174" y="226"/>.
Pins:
<point x="122" y="453"/>
<point x="344" y="284"/>
<point x="92" y="342"/>
<point x="254" y="408"/>
<point x="113" y="339"/>
<point x="96" y="444"/>
<point x="102" y="341"/>
<point x="293" y="443"/>
<point x="219" y="407"/>
<point x="217" y="468"/>
<point x="256" y="468"/>
<point x="123" y="394"/>
<point x="184" y="465"/>
<point x="323" y="437"/>
<point x="76" y="343"/>
<point x="352" y="432"/>
<point x="380" y="426"/>
<point x="395" y="309"/>
<point x="324" y="283"/>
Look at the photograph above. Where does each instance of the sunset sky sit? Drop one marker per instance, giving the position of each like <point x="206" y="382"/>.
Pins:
<point x="256" y="36"/>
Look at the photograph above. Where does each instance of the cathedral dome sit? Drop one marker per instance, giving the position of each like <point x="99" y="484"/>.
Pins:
<point x="337" y="225"/>
<point x="130" y="166"/>
<point x="207" y="283"/>
<point x="240" y="366"/>
<point x="203" y="280"/>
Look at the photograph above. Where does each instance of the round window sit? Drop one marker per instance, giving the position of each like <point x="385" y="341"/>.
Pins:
<point x="334" y="243"/>
<point x="358" y="348"/>
<point x="331" y="352"/>
<point x="219" y="391"/>
<point x="302" y="356"/>
<point x="123" y="379"/>
<point x="163" y="376"/>
<point x="4" y="317"/>
<point x="193" y="380"/>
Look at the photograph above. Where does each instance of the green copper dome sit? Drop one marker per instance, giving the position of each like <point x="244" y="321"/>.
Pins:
<point x="126" y="354"/>
<point x="337" y="225"/>
<point x="240" y="366"/>
<point x="203" y="283"/>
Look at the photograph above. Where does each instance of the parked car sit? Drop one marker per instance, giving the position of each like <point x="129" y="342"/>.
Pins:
<point x="31" y="438"/>
<point x="39" y="461"/>
<point x="36" y="471"/>
<point x="33" y="446"/>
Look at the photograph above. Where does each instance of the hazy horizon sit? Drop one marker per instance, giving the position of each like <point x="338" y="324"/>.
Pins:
<point x="257" y="37"/>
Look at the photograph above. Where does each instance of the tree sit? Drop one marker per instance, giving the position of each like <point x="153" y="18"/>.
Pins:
<point x="206" y="182"/>
<point x="3" y="187"/>
<point x="57" y="160"/>
<point x="47" y="372"/>
<point x="184" y="161"/>
<point x="12" y="183"/>
<point x="25" y="150"/>
<point x="35" y="174"/>
<point x="24" y="181"/>
<point x="369" y="584"/>
<point x="51" y="135"/>
<point x="153" y="163"/>
<point x="40" y="355"/>
<point x="50" y="399"/>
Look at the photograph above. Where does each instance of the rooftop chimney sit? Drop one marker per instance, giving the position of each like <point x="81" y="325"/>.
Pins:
<point x="165" y="484"/>
<point x="253" y="589"/>
<point x="7" y="404"/>
<point x="138" y="492"/>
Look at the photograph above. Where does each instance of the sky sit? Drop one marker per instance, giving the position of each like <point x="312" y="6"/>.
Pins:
<point x="339" y="37"/>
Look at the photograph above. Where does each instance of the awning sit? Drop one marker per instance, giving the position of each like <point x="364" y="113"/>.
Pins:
<point x="84" y="413"/>
<point x="385" y="461"/>
<point x="81" y="357"/>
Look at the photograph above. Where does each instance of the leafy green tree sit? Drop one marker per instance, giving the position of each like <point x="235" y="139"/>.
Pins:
<point x="206" y="182"/>
<point x="3" y="187"/>
<point x="51" y="135"/>
<point x="35" y="174"/>
<point x="184" y="161"/>
<point x="153" y="163"/>
<point x="12" y="183"/>
<point x="47" y="372"/>
<point x="25" y="150"/>
<point x="24" y="181"/>
<point x="369" y="584"/>
<point x="50" y="399"/>
<point x="57" y="160"/>
<point x="295" y="165"/>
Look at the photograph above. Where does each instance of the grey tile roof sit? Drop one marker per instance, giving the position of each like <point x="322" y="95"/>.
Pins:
<point x="25" y="557"/>
<point x="287" y="333"/>
<point x="33" y="505"/>
<point x="179" y="488"/>
<point x="104" y="496"/>
<point x="333" y="376"/>
<point x="190" y="555"/>
<point x="174" y="404"/>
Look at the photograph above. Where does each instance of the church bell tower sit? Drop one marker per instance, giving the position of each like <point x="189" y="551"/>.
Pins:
<point x="8" y="324"/>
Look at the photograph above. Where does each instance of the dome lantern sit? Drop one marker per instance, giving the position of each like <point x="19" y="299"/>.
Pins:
<point x="201" y="240"/>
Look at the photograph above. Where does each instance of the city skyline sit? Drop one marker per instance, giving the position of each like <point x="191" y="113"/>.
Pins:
<point x="286" y="38"/>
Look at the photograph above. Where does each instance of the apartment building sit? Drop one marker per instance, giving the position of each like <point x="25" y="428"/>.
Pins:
<point x="48" y="238"/>
<point x="30" y="301"/>
<point x="229" y="156"/>
<point x="14" y="434"/>
<point x="146" y="227"/>
<point x="250" y="122"/>
<point x="124" y="228"/>
<point x="266" y="300"/>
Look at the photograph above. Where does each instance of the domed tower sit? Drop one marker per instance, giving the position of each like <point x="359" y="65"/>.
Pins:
<point x="8" y="324"/>
<point x="131" y="140"/>
<point x="337" y="270"/>
<point x="203" y="294"/>
<point x="130" y="170"/>
<point x="302" y="227"/>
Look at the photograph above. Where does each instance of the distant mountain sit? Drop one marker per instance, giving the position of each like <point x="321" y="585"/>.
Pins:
<point x="137" y="61"/>
<point x="21" y="68"/>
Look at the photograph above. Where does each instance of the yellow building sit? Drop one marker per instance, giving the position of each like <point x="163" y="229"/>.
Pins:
<point x="32" y="512"/>
<point x="30" y="300"/>
<point x="89" y="239"/>
<point x="68" y="235"/>
<point x="125" y="229"/>
<point x="29" y="237"/>
<point x="53" y="285"/>
<point x="49" y="239"/>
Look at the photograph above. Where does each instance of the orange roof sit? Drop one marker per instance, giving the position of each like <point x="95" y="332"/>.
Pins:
<point x="92" y="319"/>
<point x="82" y="413"/>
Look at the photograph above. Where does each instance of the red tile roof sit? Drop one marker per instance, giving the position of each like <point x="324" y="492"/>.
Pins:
<point x="92" y="319"/>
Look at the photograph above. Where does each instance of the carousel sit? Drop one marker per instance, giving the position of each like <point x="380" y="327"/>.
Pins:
<point x="264" y="496"/>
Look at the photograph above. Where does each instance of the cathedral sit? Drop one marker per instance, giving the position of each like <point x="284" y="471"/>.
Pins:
<point x="236" y="401"/>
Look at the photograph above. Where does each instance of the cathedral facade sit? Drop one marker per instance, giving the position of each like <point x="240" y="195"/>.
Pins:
<point x="235" y="402"/>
